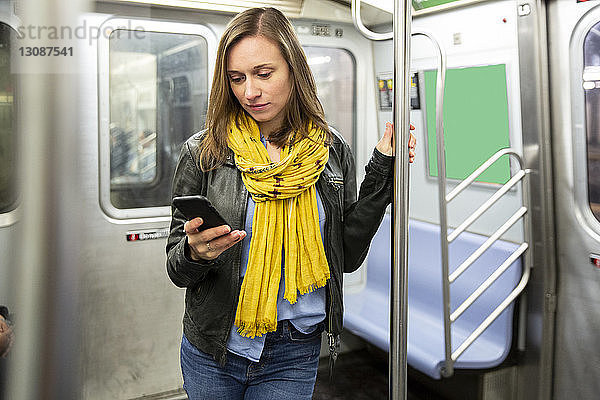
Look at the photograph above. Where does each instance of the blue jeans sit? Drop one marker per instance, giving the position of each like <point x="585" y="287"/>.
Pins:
<point x="287" y="369"/>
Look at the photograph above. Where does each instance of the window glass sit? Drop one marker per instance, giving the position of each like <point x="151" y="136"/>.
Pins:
<point x="334" y="72"/>
<point x="591" y="85"/>
<point x="8" y="160"/>
<point x="158" y="97"/>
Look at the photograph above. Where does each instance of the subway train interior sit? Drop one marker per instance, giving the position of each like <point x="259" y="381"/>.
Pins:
<point x="97" y="97"/>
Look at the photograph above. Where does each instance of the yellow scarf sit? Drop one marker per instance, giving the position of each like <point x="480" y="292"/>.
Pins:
<point x="285" y="215"/>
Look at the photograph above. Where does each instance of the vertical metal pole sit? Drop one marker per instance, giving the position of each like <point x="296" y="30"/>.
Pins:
<point x="45" y="358"/>
<point x="399" y="273"/>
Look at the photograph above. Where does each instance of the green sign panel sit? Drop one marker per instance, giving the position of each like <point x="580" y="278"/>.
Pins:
<point x="422" y="4"/>
<point x="475" y="121"/>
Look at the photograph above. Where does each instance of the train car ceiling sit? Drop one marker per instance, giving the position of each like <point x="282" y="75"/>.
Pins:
<point x="289" y="7"/>
<point x="373" y="12"/>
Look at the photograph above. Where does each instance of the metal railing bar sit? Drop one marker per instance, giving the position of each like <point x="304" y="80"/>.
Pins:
<point x="473" y="257"/>
<point x="471" y="178"/>
<point x="485" y="206"/>
<point x="492" y="317"/>
<point x="488" y="282"/>
<point x="447" y="369"/>
<point x="366" y="32"/>
<point x="440" y="85"/>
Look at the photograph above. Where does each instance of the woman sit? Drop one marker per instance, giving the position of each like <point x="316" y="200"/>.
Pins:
<point x="261" y="291"/>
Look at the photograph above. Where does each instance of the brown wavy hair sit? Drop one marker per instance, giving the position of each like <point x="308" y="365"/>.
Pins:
<point x="303" y="108"/>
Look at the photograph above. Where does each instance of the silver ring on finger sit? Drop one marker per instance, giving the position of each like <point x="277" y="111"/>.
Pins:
<point x="208" y="246"/>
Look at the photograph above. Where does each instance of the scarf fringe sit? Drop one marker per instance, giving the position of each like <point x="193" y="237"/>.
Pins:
<point x="308" y="288"/>
<point x="251" y="329"/>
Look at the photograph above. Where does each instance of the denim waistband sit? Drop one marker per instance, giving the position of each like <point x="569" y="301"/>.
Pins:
<point x="285" y="326"/>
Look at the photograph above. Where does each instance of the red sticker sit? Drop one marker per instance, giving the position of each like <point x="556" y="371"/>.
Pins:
<point x="147" y="234"/>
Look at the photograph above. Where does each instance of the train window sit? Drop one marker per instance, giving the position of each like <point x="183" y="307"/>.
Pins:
<point x="334" y="72"/>
<point x="8" y="161"/>
<point x="158" y="94"/>
<point x="475" y="121"/>
<point x="591" y="85"/>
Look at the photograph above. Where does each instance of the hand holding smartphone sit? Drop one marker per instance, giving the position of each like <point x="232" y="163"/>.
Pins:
<point x="208" y="243"/>
<point x="199" y="206"/>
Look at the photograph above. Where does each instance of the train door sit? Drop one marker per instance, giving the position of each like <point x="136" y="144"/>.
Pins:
<point x="574" y="37"/>
<point x="152" y="90"/>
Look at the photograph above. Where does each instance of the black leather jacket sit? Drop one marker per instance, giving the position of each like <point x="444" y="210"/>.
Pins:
<point x="212" y="287"/>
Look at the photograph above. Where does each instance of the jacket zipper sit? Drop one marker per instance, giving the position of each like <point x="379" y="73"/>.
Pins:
<point x="331" y="339"/>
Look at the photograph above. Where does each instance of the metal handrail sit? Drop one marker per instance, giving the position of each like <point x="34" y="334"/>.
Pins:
<point x="488" y="282"/>
<point x="366" y="32"/>
<point x="439" y="124"/>
<point x="487" y="244"/>
<point x="450" y="317"/>
<point x="475" y="174"/>
<point x="495" y="314"/>
<point x="485" y="206"/>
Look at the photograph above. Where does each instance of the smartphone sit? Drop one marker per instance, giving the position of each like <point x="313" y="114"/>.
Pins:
<point x="199" y="206"/>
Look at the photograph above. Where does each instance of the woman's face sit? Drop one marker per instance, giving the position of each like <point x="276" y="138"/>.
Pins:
<point x="260" y="79"/>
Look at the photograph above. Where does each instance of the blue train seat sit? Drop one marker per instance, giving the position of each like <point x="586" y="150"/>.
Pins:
<point x="367" y="311"/>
